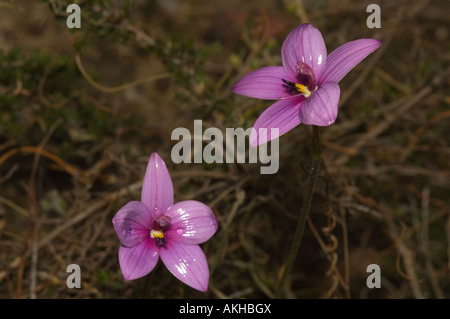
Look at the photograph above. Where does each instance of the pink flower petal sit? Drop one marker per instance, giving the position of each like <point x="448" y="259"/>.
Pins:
<point x="321" y="108"/>
<point x="346" y="57"/>
<point x="304" y="44"/>
<point x="187" y="263"/>
<point x="264" y="83"/>
<point x="157" y="188"/>
<point x="138" y="261"/>
<point x="282" y="115"/>
<point x="131" y="223"/>
<point x="191" y="222"/>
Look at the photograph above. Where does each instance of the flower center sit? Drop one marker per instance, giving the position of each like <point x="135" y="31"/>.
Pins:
<point x="305" y="82"/>
<point x="295" y="88"/>
<point x="159" y="225"/>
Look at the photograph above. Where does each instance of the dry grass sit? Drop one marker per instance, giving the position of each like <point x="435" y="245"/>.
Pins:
<point x="83" y="110"/>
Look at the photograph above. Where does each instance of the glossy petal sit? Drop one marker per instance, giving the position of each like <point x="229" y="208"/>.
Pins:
<point x="282" y="115"/>
<point x="264" y="83"/>
<point x="131" y="223"/>
<point x="138" y="261"/>
<point x="346" y="57"/>
<point x="321" y="108"/>
<point x="157" y="188"/>
<point x="191" y="222"/>
<point x="304" y="44"/>
<point x="187" y="263"/>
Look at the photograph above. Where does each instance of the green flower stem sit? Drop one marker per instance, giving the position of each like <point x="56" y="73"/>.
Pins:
<point x="301" y="222"/>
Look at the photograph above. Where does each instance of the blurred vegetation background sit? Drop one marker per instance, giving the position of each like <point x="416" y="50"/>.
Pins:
<point x="83" y="109"/>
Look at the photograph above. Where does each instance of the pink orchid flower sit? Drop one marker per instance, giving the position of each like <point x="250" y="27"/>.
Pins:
<point x="156" y="227"/>
<point x="306" y="84"/>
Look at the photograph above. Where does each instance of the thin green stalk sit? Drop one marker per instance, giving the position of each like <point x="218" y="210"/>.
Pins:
<point x="301" y="222"/>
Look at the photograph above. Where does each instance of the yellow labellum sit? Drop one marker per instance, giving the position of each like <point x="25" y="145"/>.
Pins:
<point x="156" y="234"/>
<point x="303" y="89"/>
